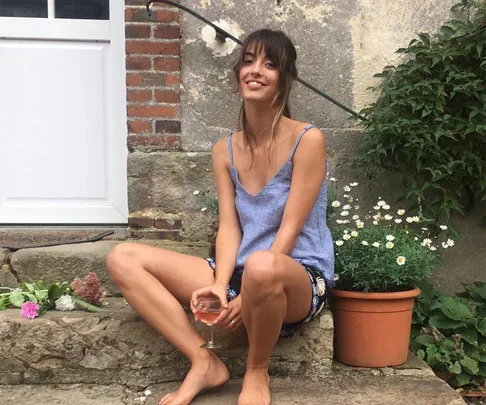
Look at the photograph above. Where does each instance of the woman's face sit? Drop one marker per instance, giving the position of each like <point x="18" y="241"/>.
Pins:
<point x="258" y="77"/>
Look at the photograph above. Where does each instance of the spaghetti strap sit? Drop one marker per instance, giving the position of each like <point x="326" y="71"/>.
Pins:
<point x="298" y="140"/>
<point x="230" y="150"/>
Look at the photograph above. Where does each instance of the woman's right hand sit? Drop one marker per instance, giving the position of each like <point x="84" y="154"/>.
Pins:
<point x="218" y="290"/>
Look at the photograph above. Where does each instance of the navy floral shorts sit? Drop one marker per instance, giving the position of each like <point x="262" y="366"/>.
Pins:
<point x="319" y="295"/>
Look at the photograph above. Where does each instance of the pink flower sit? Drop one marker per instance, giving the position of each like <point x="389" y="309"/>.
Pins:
<point x="88" y="289"/>
<point x="29" y="310"/>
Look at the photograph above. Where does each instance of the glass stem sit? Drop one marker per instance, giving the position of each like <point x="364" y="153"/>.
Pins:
<point x="211" y="334"/>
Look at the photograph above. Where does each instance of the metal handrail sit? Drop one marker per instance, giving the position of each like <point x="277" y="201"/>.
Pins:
<point x="221" y="34"/>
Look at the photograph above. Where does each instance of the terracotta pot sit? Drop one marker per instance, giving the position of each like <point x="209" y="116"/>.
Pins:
<point x="372" y="329"/>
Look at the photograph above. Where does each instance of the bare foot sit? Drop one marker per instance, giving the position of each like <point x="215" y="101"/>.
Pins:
<point x="256" y="389"/>
<point x="209" y="372"/>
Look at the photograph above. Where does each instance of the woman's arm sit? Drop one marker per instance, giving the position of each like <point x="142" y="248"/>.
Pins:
<point x="229" y="232"/>
<point x="309" y="171"/>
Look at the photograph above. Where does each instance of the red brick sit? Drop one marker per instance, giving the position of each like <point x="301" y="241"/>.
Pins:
<point x="153" y="48"/>
<point x="168" y="32"/>
<point x="138" y="63"/>
<point x="154" y="142"/>
<point x="139" y="127"/>
<point x="167" y="64"/>
<point x="137" y="31"/>
<point x="139" y="14"/>
<point x="153" y="79"/>
<point x="142" y="222"/>
<point x="167" y="96"/>
<point x="152" y="111"/>
<point x="168" y="224"/>
<point x="150" y="234"/>
<point x="139" y="95"/>
<point x="168" y="126"/>
<point x="172" y="80"/>
<point x="134" y="79"/>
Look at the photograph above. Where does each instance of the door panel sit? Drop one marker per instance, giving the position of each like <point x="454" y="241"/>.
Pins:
<point x="62" y="109"/>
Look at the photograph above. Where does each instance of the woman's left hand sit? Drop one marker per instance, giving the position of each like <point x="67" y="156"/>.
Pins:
<point x="230" y="319"/>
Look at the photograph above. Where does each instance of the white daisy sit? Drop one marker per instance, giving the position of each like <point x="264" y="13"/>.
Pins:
<point x="376" y="244"/>
<point x="364" y="243"/>
<point x="445" y="245"/>
<point x="416" y="219"/>
<point x="401" y="260"/>
<point x="195" y="192"/>
<point x="401" y="212"/>
<point x="353" y="184"/>
<point x="347" y="188"/>
<point x="354" y="234"/>
<point x="360" y="224"/>
<point x="375" y="222"/>
<point x="347" y="207"/>
<point x="450" y="242"/>
<point x="386" y="207"/>
<point x="344" y="213"/>
<point x="388" y="217"/>
<point x="339" y="243"/>
<point x="355" y="217"/>
<point x="409" y="220"/>
<point x="433" y="248"/>
<point x="426" y="242"/>
<point x="398" y="221"/>
<point x="346" y="236"/>
<point x="390" y="237"/>
<point x="332" y="179"/>
<point x="376" y="207"/>
<point x="381" y="203"/>
<point x="335" y="204"/>
<point x="389" y="245"/>
<point x="443" y="227"/>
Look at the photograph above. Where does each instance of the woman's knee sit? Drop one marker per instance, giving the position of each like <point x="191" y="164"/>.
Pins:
<point x="120" y="260"/>
<point x="261" y="270"/>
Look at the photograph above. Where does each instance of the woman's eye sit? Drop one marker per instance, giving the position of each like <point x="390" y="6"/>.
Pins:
<point x="270" y="65"/>
<point x="247" y="61"/>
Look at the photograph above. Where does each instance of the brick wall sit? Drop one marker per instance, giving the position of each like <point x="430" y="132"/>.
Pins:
<point x="153" y="82"/>
<point x="153" y="99"/>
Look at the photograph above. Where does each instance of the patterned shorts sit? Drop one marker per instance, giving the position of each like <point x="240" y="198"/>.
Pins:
<point x="319" y="295"/>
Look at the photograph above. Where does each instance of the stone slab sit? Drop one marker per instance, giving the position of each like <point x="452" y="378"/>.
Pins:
<point x="290" y="391"/>
<point x="66" y="262"/>
<point x="117" y="347"/>
<point x="64" y="395"/>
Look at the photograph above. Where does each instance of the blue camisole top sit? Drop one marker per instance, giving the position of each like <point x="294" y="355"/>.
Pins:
<point x="260" y="217"/>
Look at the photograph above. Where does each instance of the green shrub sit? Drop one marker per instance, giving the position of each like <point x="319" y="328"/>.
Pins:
<point x="429" y="122"/>
<point x="449" y="332"/>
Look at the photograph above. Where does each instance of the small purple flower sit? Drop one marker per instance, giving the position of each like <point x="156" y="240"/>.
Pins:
<point x="29" y="310"/>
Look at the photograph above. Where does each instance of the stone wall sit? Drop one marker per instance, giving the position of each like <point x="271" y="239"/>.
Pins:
<point x="340" y="45"/>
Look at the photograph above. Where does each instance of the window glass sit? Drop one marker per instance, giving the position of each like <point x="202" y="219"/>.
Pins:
<point x="83" y="9"/>
<point x="23" y="8"/>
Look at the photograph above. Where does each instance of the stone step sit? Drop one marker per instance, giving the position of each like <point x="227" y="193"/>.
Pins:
<point x="117" y="347"/>
<point x="65" y="262"/>
<point x="332" y="390"/>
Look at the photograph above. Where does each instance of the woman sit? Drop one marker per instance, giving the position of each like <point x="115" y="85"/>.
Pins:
<point x="274" y="253"/>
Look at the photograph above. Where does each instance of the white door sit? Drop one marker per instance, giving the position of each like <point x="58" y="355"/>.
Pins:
<point x="62" y="112"/>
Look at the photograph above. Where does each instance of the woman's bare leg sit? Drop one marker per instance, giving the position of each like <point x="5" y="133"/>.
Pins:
<point x="275" y="289"/>
<point x="155" y="282"/>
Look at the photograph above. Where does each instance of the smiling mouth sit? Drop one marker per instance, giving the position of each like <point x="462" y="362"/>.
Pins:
<point x="255" y="84"/>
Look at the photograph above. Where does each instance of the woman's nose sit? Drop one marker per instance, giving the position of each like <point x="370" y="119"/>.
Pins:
<point x="256" y="68"/>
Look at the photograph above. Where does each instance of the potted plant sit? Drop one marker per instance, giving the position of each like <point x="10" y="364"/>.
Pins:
<point x="379" y="259"/>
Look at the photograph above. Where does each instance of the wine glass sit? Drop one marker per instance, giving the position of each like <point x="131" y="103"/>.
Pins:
<point x="208" y="309"/>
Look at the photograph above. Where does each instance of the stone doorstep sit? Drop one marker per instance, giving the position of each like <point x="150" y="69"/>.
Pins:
<point x="117" y="347"/>
<point x="65" y="262"/>
<point x="331" y="390"/>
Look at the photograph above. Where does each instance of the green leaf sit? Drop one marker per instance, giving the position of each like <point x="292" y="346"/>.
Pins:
<point x="456" y="310"/>
<point x="425" y="38"/>
<point x="442" y="322"/>
<point x="421" y="354"/>
<point x="470" y="335"/>
<point x="446" y="30"/>
<point x="463" y="379"/>
<point x="2" y="303"/>
<point x="481" y="327"/>
<point x="426" y="340"/>
<point x="85" y="305"/>
<point x="470" y="365"/>
<point x="16" y="299"/>
<point x="455" y="368"/>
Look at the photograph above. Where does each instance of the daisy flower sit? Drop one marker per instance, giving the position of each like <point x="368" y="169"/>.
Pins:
<point x="401" y="260"/>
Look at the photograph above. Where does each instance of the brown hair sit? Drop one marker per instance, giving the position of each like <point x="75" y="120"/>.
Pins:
<point x="280" y="50"/>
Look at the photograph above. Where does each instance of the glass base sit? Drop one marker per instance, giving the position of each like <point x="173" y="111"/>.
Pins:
<point x="211" y="345"/>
